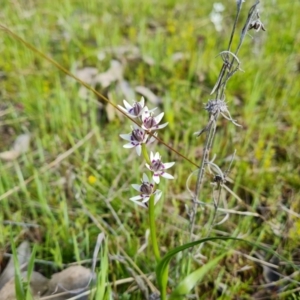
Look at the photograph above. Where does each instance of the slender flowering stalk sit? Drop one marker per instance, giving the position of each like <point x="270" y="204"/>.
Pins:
<point x="153" y="228"/>
<point x="145" y="153"/>
<point x="139" y="138"/>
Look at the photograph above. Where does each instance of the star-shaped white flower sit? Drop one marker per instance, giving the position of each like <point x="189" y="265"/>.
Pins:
<point x="146" y="189"/>
<point x="158" y="167"/>
<point x="135" y="110"/>
<point x="137" y="137"/>
<point x="149" y="122"/>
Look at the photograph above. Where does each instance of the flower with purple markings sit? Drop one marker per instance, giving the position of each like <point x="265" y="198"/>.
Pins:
<point x="150" y="122"/>
<point x="158" y="167"/>
<point x="136" y="138"/>
<point x="146" y="189"/>
<point x="135" y="110"/>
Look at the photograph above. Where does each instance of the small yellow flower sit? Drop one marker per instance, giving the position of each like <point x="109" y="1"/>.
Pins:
<point x="92" y="179"/>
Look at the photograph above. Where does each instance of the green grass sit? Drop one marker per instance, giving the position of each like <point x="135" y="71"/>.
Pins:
<point x="43" y="101"/>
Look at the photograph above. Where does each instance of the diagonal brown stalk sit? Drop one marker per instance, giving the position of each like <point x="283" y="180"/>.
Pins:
<point x="61" y="68"/>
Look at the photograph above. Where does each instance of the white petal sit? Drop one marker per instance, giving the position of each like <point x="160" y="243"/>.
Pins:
<point x="148" y="167"/>
<point x="157" y="156"/>
<point x="162" y="125"/>
<point x="159" y="117"/>
<point x="138" y="149"/>
<point x="123" y="109"/>
<point x="142" y="102"/>
<point x="167" y="176"/>
<point x="168" y="165"/>
<point x="127" y="105"/>
<point x="151" y="156"/>
<point x="155" y="178"/>
<point x="146" y="199"/>
<point x="136" y="187"/>
<point x="135" y="198"/>
<point x="131" y="115"/>
<point x="128" y="146"/>
<point x="126" y="137"/>
<point x="139" y="203"/>
<point x="145" y="178"/>
<point x="158" y="194"/>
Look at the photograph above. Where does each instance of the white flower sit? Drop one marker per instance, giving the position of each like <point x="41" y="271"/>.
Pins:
<point x="137" y="137"/>
<point x="146" y="189"/>
<point x="158" y="167"/>
<point x="135" y="110"/>
<point x="150" y="122"/>
<point x="216" y="16"/>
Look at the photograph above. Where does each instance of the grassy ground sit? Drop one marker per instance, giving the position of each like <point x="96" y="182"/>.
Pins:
<point x="71" y="208"/>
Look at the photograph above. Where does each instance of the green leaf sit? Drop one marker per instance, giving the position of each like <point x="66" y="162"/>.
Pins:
<point x="18" y="276"/>
<point x="189" y="282"/>
<point x="162" y="267"/>
<point x="103" y="273"/>
<point x="29" y="272"/>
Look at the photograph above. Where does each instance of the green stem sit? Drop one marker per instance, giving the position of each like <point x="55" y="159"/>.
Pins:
<point x="163" y="285"/>
<point x="145" y="154"/>
<point x="153" y="229"/>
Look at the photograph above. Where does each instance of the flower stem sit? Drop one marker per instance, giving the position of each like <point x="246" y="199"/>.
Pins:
<point x="153" y="229"/>
<point x="145" y="154"/>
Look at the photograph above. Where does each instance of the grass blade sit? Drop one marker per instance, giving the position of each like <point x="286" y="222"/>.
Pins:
<point x="189" y="282"/>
